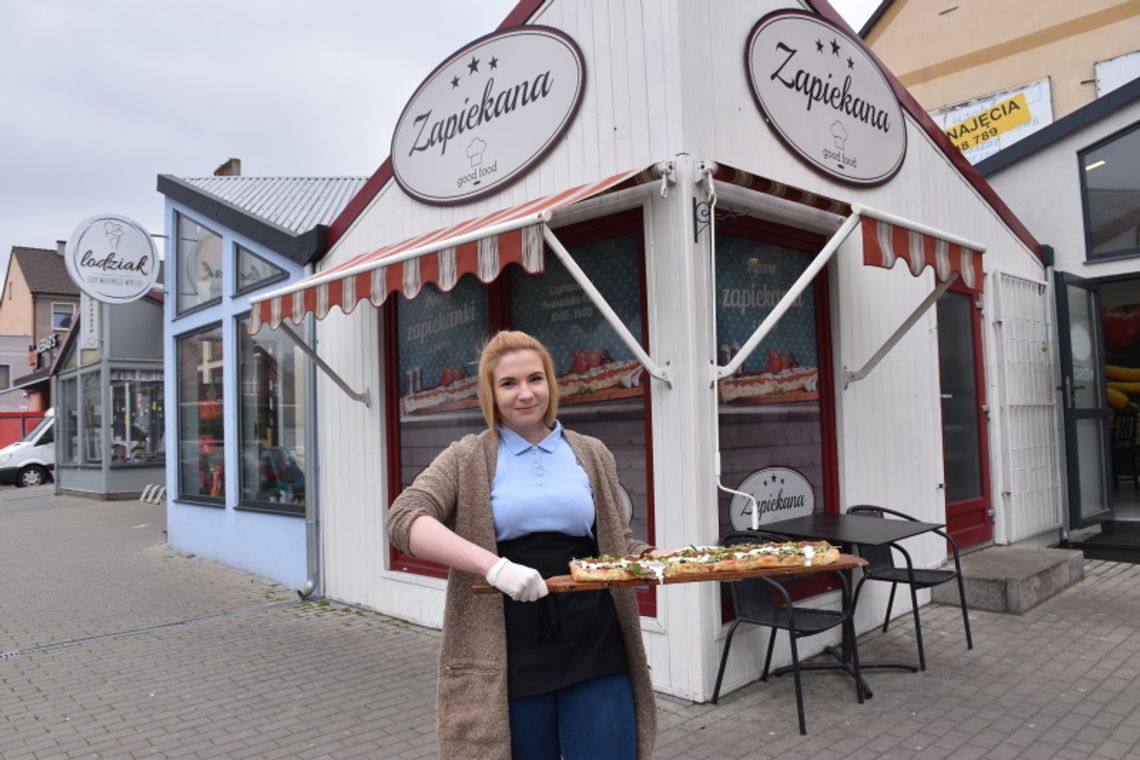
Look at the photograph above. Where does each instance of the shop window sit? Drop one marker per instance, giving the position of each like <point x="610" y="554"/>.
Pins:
<point x="91" y="398"/>
<point x="199" y="275"/>
<point x="271" y="375"/>
<point x="771" y="411"/>
<point x="5" y="376"/>
<point x="138" y="417"/>
<point x="437" y="338"/>
<point x="62" y="315"/>
<point x="67" y="417"/>
<point x="1110" y="184"/>
<point x="201" y="407"/>
<point x="254" y="271"/>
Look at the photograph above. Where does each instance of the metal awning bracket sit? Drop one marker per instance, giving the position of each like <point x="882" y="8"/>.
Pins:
<point x="659" y="372"/>
<point x="851" y="377"/>
<point x="363" y="396"/>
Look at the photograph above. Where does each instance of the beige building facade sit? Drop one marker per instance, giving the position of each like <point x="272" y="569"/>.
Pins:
<point x="950" y="53"/>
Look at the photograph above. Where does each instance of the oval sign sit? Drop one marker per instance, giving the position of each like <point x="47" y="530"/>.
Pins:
<point x="112" y="259"/>
<point x="825" y="97"/>
<point x="780" y="492"/>
<point x="486" y="114"/>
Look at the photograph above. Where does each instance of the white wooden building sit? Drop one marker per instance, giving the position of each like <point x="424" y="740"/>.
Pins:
<point x="677" y="131"/>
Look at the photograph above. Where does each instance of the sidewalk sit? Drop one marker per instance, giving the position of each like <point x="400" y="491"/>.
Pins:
<point x="114" y="646"/>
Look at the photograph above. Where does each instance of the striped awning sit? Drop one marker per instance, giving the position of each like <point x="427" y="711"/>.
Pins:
<point x="481" y="246"/>
<point x="885" y="242"/>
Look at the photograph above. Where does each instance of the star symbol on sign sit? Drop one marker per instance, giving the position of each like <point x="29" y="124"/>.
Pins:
<point x="454" y="82"/>
<point x="850" y="63"/>
<point x="834" y="47"/>
<point x="818" y="46"/>
<point x="473" y="67"/>
<point x="494" y="62"/>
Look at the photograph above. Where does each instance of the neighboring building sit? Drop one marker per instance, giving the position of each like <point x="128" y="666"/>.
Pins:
<point x="110" y="407"/>
<point x="659" y="217"/>
<point x="992" y="73"/>
<point x="240" y="429"/>
<point x="1076" y="184"/>
<point x="39" y="300"/>
<point x="13" y="359"/>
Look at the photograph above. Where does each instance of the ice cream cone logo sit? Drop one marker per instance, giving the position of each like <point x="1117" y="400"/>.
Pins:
<point x="113" y="232"/>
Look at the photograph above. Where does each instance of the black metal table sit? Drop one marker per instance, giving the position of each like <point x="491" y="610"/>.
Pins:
<point x="848" y="531"/>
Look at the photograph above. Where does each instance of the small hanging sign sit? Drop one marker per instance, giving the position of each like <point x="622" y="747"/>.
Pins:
<point x="780" y="492"/>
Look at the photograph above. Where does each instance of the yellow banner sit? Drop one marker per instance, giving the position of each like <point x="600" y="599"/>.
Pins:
<point x="988" y="124"/>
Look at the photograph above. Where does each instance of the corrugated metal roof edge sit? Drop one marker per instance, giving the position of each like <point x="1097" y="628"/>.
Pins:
<point x="303" y="248"/>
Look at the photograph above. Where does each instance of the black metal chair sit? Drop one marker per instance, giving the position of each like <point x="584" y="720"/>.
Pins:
<point x="881" y="567"/>
<point x="765" y="601"/>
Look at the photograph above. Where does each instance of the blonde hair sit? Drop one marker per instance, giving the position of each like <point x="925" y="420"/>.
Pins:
<point x="496" y="348"/>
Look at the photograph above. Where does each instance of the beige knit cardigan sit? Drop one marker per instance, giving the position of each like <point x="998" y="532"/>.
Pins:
<point x="471" y="709"/>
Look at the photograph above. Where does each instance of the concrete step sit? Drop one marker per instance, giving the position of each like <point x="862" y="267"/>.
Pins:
<point x="1006" y="579"/>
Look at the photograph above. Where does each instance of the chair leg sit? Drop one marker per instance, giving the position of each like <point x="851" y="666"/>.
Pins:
<point x="890" y="604"/>
<point x="768" y="657"/>
<point x="917" y="628"/>
<point x="799" y="687"/>
<point x="965" y="614"/>
<point x="850" y="628"/>
<point x="724" y="660"/>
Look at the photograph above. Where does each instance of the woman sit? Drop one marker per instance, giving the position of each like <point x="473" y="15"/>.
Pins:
<point x="567" y="673"/>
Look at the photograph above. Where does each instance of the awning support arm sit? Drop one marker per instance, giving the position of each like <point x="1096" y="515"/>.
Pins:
<point x="851" y="377"/>
<point x="661" y="373"/>
<point x="794" y="292"/>
<point x="363" y="396"/>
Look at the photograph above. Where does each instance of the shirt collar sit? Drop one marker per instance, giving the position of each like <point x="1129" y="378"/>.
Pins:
<point x="516" y="444"/>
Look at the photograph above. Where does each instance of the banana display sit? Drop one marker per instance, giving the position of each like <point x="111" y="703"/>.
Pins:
<point x="1123" y="384"/>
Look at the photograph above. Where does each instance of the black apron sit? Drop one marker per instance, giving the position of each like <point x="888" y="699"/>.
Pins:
<point x="562" y="639"/>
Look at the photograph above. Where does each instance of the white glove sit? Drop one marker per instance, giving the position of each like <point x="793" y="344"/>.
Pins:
<point x="519" y="582"/>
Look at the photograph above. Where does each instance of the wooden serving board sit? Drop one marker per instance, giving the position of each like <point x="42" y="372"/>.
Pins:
<point x="564" y="583"/>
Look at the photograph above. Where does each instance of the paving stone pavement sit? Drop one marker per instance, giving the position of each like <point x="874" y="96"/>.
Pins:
<point x="114" y="646"/>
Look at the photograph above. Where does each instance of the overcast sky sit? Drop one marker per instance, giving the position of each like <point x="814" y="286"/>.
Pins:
<point x="101" y="97"/>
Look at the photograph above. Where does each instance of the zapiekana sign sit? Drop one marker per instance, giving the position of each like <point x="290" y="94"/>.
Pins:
<point x="780" y="492"/>
<point x="112" y="259"/>
<point x="826" y="98"/>
<point x="486" y="114"/>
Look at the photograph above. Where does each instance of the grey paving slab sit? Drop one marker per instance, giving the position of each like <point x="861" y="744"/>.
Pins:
<point x="114" y="646"/>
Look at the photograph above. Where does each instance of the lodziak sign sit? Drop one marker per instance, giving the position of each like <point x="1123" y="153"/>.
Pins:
<point x="486" y="114"/>
<point x="825" y="98"/>
<point x="112" y="259"/>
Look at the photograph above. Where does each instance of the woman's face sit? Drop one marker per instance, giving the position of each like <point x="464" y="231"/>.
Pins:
<point x="522" y="393"/>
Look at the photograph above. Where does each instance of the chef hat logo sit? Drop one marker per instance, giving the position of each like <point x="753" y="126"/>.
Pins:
<point x="475" y="151"/>
<point x="839" y="134"/>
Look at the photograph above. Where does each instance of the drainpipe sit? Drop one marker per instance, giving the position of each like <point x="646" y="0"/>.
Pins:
<point x="312" y="481"/>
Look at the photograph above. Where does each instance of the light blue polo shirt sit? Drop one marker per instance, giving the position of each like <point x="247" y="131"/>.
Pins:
<point x="540" y="488"/>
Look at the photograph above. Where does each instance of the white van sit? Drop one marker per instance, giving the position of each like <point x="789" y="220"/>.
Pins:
<point x="30" y="462"/>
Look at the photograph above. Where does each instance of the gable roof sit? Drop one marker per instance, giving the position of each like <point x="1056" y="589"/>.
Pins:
<point x="45" y="271"/>
<point x="526" y="8"/>
<point x="1085" y="116"/>
<point x="288" y="215"/>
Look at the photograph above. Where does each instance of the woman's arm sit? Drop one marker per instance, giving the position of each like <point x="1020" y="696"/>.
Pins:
<point x="431" y="539"/>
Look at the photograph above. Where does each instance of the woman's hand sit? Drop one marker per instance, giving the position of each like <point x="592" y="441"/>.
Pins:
<point x="657" y="553"/>
<point x="519" y="582"/>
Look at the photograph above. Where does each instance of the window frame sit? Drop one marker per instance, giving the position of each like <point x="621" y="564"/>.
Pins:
<point x="111" y="384"/>
<point x="242" y="503"/>
<point x="68" y="304"/>
<point x="631" y="221"/>
<point x="239" y="290"/>
<point x="180" y="313"/>
<point x="5" y="382"/>
<point x="1090" y="257"/>
<point x="63" y="421"/>
<point x="183" y="497"/>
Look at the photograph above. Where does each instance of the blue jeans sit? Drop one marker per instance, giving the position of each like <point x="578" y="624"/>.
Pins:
<point x="592" y="720"/>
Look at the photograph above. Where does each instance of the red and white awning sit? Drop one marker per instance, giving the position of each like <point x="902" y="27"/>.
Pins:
<point x="482" y="246"/>
<point x="886" y="242"/>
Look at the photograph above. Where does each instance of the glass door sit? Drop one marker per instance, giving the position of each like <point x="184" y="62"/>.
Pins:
<point x="1083" y="400"/>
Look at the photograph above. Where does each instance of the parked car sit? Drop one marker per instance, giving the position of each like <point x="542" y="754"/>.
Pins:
<point x="30" y="462"/>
